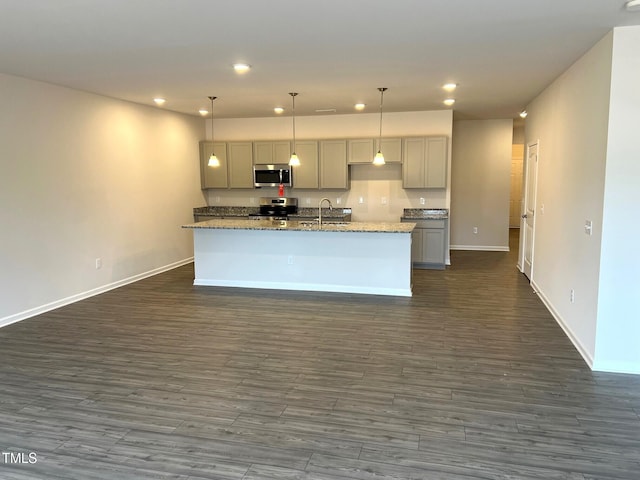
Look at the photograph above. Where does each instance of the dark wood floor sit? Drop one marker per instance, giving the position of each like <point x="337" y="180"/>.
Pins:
<point x="469" y="379"/>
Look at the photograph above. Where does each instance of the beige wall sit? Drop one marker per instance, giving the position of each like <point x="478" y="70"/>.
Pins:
<point x="570" y="121"/>
<point x="480" y="184"/>
<point x="618" y="329"/>
<point x="86" y="177"/>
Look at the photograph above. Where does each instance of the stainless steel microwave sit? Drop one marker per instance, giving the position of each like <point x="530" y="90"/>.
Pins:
<point x="272" y="175"/>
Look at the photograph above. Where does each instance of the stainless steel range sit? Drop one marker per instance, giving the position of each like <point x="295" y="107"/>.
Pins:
<point x="276" y="208"/>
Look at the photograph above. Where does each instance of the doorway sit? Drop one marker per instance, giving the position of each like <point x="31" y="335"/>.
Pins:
<point x="527" y="231"/>
<point x="515" y="189"/>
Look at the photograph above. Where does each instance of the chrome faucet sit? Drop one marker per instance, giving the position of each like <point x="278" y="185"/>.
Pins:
<point x="320" y="210"/>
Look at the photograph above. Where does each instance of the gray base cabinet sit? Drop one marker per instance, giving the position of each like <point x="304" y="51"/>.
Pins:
<point x="428" y="243"/>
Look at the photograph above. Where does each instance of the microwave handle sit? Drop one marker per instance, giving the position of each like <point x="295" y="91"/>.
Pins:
<point x="280" y="176"/>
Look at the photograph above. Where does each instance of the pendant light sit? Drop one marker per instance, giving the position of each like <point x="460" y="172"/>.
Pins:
<point x="379" y="158"/>
<point x="294" y="161"/>
<point x="213" y="160"/>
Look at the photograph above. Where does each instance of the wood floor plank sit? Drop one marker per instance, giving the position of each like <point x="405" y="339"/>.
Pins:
<point x="471" y="378"/>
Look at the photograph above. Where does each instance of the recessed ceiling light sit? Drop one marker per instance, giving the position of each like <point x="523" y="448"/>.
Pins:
<point x="241" y="67"/>
<point x="632" y="5"/>
<point x="523" y="114"/>
<point x="359" y="106"/>
<point x="204" y="112"/>
<point x="450" y="87"/>
<point x="449" y="101"/>
<point x="159" y="101"/>
<point x="278" y="110"/>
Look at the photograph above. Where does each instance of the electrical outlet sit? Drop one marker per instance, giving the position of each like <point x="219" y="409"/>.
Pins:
<point x="290" y="260"/>
<point x="217" y="199"/>
<point x="98" y="263"/>
<point x="572" y="296"/>
<point x="588" y="227"/>
<point x="475" y="230"/>
<point x="252" y="200"/>
<point x="542" y="209"/>
<point x="422" y="201"/>
<point x="361" y="200"/>
<point x="307" y="201"/>
<point x="383" y="200"/>
<point x="338" y="200"/>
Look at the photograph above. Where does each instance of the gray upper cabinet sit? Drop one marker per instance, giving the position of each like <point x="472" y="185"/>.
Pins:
<point x="425" y="162"/>
<point x="240" y="162"/>
<point x="213" y="177"/>
<point x="272" y="152"/>
<point x="306" y="174"/>
<point x="391" y="150"/>
<point x="360" y="150"/>
<point x="334" y="171"/>
<point x="236" y="165"/>
<point x="324" y="164"/>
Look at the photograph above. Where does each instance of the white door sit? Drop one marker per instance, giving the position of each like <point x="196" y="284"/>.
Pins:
<point x="528" y="224"/>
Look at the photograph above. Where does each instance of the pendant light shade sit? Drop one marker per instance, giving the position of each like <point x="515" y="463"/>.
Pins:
<point x="213" y="160"/>
<point x="379" y="158"/>
<point x="294" y="161"/>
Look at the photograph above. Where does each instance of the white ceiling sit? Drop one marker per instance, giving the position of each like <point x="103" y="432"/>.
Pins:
<point x="335" y="53"/>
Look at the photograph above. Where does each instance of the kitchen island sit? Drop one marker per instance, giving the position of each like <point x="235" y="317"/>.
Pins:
<point x="353" y="257"/>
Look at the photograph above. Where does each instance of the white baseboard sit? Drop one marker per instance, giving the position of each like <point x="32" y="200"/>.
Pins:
<point x="617" y="367"/>
<point x="308" y="287"/>
<point x="567" y="330"/>
<point x="481" y="248"/>
<point x="598" y="366"/>
<point x="32" y="312"/>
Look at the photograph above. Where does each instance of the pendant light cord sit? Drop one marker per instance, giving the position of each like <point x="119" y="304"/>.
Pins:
<point x="382" y="90"/>
<point x="293" y="118"/>
<point x="212" y="99"/>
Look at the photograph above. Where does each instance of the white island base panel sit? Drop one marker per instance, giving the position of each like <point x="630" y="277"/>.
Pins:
<point x="349" y="262"/>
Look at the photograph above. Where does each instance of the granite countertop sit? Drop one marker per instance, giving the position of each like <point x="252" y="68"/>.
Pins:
<point x="293" y="225"/>
<point x="221" y="211"/>
<point x="326" y="213"/>
<point x="226" y="211"/>
<point x="425" y="213"/>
